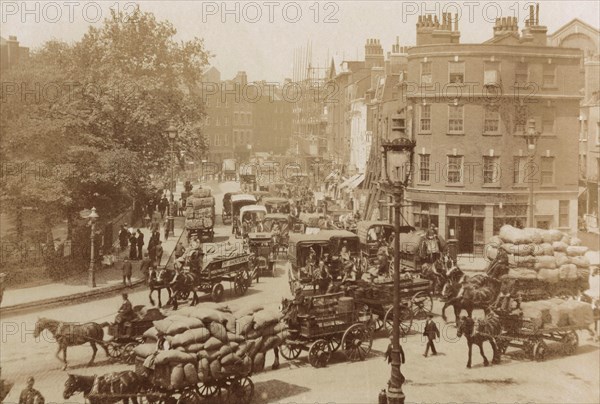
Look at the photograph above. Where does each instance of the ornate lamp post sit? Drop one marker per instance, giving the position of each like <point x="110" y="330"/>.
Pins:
<point x="531" y="137"/>
<point x="171" y="132"/>
<point x="93" y="216"/>
<point x="396" y="171"/>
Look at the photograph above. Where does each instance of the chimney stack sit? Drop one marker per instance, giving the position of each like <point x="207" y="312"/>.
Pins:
<point x="533" y="32"/>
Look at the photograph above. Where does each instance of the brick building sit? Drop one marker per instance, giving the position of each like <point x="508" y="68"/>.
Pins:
<point x="272" y="121"/>
<point x="11" y="53"/>
<point x="468" y="107"/>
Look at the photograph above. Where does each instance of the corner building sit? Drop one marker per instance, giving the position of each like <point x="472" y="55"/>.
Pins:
<point x="468" y="107"/>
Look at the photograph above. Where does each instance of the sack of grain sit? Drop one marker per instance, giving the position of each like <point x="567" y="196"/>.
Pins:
<point x="270" y="343"/>
<point x="560" y="315"/>
<point x="490" y="252"/>
<point x="229" y="322"/>
<point x="561" y="258"/>
<point x="548" y="275"/>
<point x="203" y="370"/>
<point x="199" y="203"/>
<point x="195" y="336"/>
<point x="580" y="313"/>
<point x="177" y="377"/>
<point x="244" y="324"/>
<point x="150" y="334"/>
<point x="518" y="249"/>
<point x="191" y="374"/>
<point x="559" y="246"/>
<point x="523" y="262"/>
<point x="212" y="343"/>
<point x="266" y="317"/>
<point x="180" y="326"/>
<point x="543" y="249"/>
<point x="556" y="235"/>
<point x="194" y="348"/>
<point x="174" y="356"/>
<point x="583" y="273"/>
<point x="201" y="192"/>
<point x="144" y="350"/>
<point x="249" y="310"/>
<point x="258" y="364"/>
<point x="567" y="272"/>
<point x="543" y="306"/>
<point x="246" y="347"/>
<point x="522" y="273"/>
<point x="545" y="262"/>
<point x="574" y="250"/>
<point x="534" y="234"/>
<point x="535" y="316"/>
<point x="575" y="241"/>
<point x="215" y="370"/>
<point x="218" y="331"/>
<point x="510" y="234"/>
<point x="580" y="261"/>
<point x="258" y="343"/>
<point x="495" y="241"/>
<point x="205" y="314"/>
<point x="593" y="257"/>
<point x="225" y="350"/>
<point x="566" y="239"/>
<point x="163" y="325"/>
<point x="231" y="336"/>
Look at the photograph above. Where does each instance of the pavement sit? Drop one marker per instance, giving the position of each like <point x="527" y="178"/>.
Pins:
<point x="108" y="279"/>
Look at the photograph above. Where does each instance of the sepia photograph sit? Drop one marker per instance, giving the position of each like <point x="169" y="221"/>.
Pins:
<point x="289" y="202"/>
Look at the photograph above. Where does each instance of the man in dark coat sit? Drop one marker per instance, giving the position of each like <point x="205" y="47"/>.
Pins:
<point x="127" y="270"/>
<point x="431" y="332"/>
<point x="145" y="266"/>
<point x="123" y="237"/>
<point x="159" y="253"/>
<point x="125" y="312"/>
<point x="132" y="246"/>
<point x="140" y="243"/>
<point x="29" y="395"/>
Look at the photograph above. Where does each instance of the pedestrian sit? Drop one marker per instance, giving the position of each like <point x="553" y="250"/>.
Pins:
<point x="127" y="270"/>
<point x="179" y="250"/>
<point x="132" y="246"/>
<point x="159" y="253"/>
<point x="162" y="206"/>
<point x="123" y="237"/>
<point x="145" y="266"/>
<point x="180" y="206"/>
<point x="29" y="395"/>
<point x="388" y="352"/>
<point x="166" y="226"/>
<point x="431" y="332"/>
<point x="147" y="220"/>
<point x="140" y="243"/>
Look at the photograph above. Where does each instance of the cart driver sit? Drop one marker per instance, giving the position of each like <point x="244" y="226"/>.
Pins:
<point x="125" y="312"/>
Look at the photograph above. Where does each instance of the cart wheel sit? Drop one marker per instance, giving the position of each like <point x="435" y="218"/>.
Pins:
<point x="570" y="342"/>
<point x="376" y="321"/>
<point x="114" y="350"/>
<point x="319" y="353"/>
<point x="290" y="352"/>
<point x="127" y="355"/>
<point x="406" y="319"/>
<point x="241" y="391"/>
<point x="334" y="342"/>
<point x="189" y="396"/>
<point x="217" y="292"/>
<point x="421" y="304"/>
<point x="539" y="351"/>
<point x="357" y="342"/>
<point x="207" y="390"/>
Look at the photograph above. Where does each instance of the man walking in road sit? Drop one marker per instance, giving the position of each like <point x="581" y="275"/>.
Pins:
<point x="127" y="270"/>
<point x="29" y="395"/>
<point x="158" y="252"/>
<point x="140" y="243"/>
<point x="145" y="266"/>
<point x="431" y="332"/>
<point x="132" y="245"/>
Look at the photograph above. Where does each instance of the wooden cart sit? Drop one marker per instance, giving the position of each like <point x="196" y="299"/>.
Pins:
<point x="232" y="269"/>
<point x="330" y="325"/>
<point x="125" y="338"/>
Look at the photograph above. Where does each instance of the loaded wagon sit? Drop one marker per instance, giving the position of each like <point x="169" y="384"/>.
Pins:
<point x="261" y="245"/>
<point x="281" y="236"/>
<point x="200" y="215"/>
<point x="412" y="250"/>
<point x="372" y="235"/>
<point x="331" y="322"/>
<point x="232" y="269"/>
<point x="250" y="218"/>
<point x="238" y="201"/>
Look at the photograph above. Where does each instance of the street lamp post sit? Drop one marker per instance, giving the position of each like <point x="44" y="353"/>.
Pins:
<point x="396" y="171"/>
<point x="93" y="216"/>
<point x="172" y="134"/>
<point x="531" y="138"/>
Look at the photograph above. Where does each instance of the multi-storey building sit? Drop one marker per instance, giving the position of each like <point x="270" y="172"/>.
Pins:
<point x="578" y="34"/>
<point x="469" y="105"/>
<point x="11" y="54"/>
<point x="272" y="120"/>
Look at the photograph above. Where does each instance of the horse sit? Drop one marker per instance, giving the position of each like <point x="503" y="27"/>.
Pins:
<point x="159" y="280"/>
<point x="182" y="285"/>
<point x="72" y="334"/>
<point x="486" y="329"/>
<point x="440" y="271"/>
<point x="117" y="383"/>
<point x="478" y="292"/>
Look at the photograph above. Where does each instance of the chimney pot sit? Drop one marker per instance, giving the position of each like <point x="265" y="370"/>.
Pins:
<point x="456" y="22"/>
<point x="12" y="38"/>
<point x="531" y="18"/>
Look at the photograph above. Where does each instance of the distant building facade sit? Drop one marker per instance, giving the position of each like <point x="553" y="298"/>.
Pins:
<point x="11" y="53"/>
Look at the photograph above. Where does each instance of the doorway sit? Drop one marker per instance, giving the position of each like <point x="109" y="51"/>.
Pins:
<point x="465" y="235"/>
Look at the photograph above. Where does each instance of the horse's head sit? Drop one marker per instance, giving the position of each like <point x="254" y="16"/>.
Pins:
<point x="285" y="305"/>
<point x="40" y="325"/>
<point x="450" y="290"/>
<point x="71" y="387"/>
<point x="465" y="326"/>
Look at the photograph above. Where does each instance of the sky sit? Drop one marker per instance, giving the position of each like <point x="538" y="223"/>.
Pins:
<point x="263" y="37"/>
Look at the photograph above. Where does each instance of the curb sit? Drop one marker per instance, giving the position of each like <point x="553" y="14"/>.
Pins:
<point x="78" y="296"/>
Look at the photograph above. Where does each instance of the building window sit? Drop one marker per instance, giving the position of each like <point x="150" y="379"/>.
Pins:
<point x="491" y="169"/>
<point x="563" y="213"/>
<point x="455" y="118"/>
<point x="424" y="167"/>
<point x="455" y="169"/>
<point x="236" y="136"/>
<point x="582" y="166"/>
<point x="548" y="120"/>
<point x="521" y="74"/>
<point x="491" y="74"/>
<point x="425" y="118"/>
<point x="217" y="121"/>
<point x="549" y="79"/>
<point x="547" y="170"/>
<point x="583" y="130"/>
<point x="226" y="121"/>
<point x="426" y="77"/>
<point x="519" y="167"/>
<point x="491" y="121"/>
<point x="456" y="72"/>
<point x="425" y="214"/>
<point x="217" y="140"/>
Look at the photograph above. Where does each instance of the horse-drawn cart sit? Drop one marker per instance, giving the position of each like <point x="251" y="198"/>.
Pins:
<point x="415" y="301"/>
<point x="232" y="269"/>
<point x="128" y="335"/>
<point x="332" y="322"/>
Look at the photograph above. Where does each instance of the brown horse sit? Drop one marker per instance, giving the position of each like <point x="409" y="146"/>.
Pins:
<point x="159" y="280"/>
<point x="478" y="292"/>
<point x="72" y="334"/>
<point x="184" y="283"/>
<point x="119" y="384"/>
<point x="486" y="329"/>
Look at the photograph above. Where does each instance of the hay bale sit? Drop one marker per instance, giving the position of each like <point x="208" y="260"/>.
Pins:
<point x="560" y="315"/>
<point x="580" y="313"/>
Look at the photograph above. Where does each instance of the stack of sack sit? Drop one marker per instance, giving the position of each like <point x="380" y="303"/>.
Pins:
<point x="556" y="312"/>
<point x="548" y="255"/>
<point x="200" y="209"/>
<point x="212" y="341"/>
